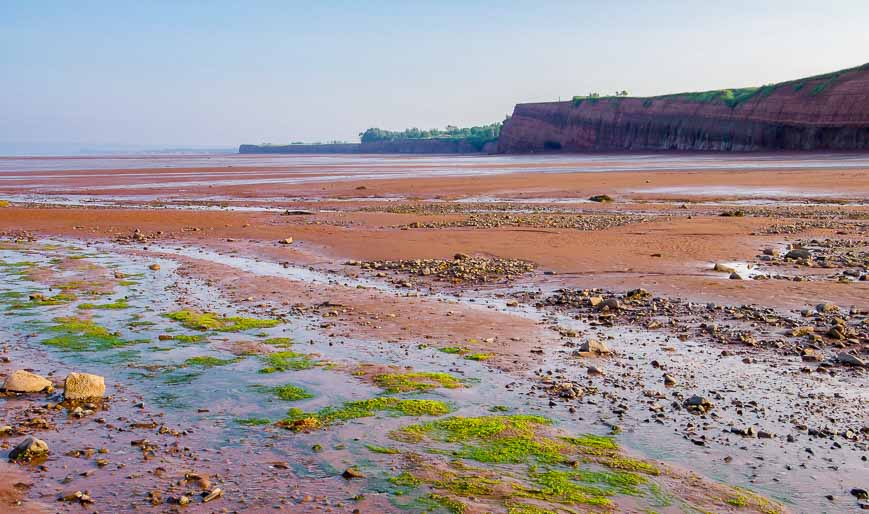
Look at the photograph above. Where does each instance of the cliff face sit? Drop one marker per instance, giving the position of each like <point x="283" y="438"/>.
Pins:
<point x="827" y="112"/>
<point x="403" y="146"/>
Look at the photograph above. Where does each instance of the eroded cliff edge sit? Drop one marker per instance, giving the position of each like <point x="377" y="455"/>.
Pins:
<point x="825" y="112"/>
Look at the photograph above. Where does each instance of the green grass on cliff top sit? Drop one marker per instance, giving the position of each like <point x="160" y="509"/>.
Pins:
<point x="735" y="96"/>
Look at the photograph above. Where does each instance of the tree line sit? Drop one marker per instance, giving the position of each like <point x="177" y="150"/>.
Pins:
<point x="479" y="134"/>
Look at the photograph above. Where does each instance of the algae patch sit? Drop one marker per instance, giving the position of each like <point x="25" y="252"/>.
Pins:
<point x="298" y="420"/>
<point x="415" y="381"/>
<point x="213" y="321"/>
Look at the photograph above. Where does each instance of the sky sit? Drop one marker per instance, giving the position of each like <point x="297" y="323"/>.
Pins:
<point x="77" y="74"/>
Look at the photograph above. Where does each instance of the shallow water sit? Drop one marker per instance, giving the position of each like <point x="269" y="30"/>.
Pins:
<point x="156" y="369"/>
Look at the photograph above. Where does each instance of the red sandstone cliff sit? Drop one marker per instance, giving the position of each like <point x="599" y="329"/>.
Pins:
<point x="826" y="112"/>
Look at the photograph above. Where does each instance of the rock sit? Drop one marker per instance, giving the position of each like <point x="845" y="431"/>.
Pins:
<point x="610" y="303"/>
<point x="802" y="331"/>
<point x="811" y="355"/>
<point x="594" y="301"/>
<point x="669" y="379"/>
<point x="735" y="276"/>
<point x="601" y="198"/>
<point x="637" y="294"/>
<point x="771" y="252"/>
<point x="287" y="241"/>
<point x="860" y="494"/>
<point x="461" y="257"/>
<point x="351" y="473"/>
<point x="744" y="432"/>
<point x="594" y="370"/>
<point x="798" y="253"/>
<point x="827" y="307"/>
<point x="83" y="386"/>
<point x="850" y="360"/>
<point x="22" y="381"/>
<point x="29" y="449"/>
<point x="595" y="347"/>
<point x="154" y="267"/>
<point x="723" y="268"/>
<point x="836" y="332"/>
<point x="213" y="495"/>
<point x="698" y="404"/>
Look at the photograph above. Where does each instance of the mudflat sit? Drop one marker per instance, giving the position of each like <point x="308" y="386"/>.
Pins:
<point x="663" y="332"/>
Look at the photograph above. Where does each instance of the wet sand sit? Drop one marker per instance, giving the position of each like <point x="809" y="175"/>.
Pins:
<point x="662" y="233"/>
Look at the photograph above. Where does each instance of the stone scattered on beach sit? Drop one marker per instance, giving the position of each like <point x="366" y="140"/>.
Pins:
<point x="735" y="276"/>
<point x="154" y="267"/>
<point x="594" y="347"/>
<point x="351" y="473"/>
<point x="723" y="268"/>
<point x="287" y="241"/>
<point x="83" y="386"/>
<point x="698" y="404"/>
<point x="669" y="379"/>
<point x="826" y="307"/>
<point x="850" y="360"/>
<point x="213" y="495"/>
<point x="798" y="254"/>
<point x="22" y="381"/>
<point x="29" y="449"/>
<point x="601" y="198"/>
<point x="610" y="303"/>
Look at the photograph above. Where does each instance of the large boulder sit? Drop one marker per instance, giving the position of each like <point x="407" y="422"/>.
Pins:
<point x="83" y="386"/>
<point x="29" y="449"/>
<point x="26" y="382"/>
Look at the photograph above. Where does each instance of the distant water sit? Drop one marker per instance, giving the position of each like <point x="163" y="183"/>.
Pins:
<point x="436" y="164"/>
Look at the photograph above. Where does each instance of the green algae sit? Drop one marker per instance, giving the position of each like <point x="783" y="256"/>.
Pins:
<point x="468" y="485"/>
<point x="623" y="482"/>
<point x="382" y="449"/>
<point x="454" y="350"/>
<point x="299" y="420"/>
<point x="460" y="428"/>
<point x="291" y="393"/>
<point x="80" y="334"/>
<point x="287" y="361"/>
<point x="182" y="378"/>
<point x="415" y="381"/>
<point x="116" y="305"/>
<point x="188" y="339"/>
<point x="451" y="505"/>
<point x="478" y="356"/>
<point x="253" y="422"/>
<point x="526" y="508"/>
<point x="629" y="464"/>
<point x="39" y="300"/>
<point x="213" y="321"/>
<point x="405" y="479"/>
<point x="138" y="324"/>
<point x="593" y="441"/>
<point x="559" y="487"/>
<point x="514" y="450"/>
<point x="499" y="439"/>
<point x="280" y="342"/>
<point x="208" y="361"/>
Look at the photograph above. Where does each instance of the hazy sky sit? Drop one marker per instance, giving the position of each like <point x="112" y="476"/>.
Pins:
<point x="222" y="73"/>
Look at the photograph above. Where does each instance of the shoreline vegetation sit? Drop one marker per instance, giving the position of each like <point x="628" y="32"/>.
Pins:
<point x="451" y="139"/>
